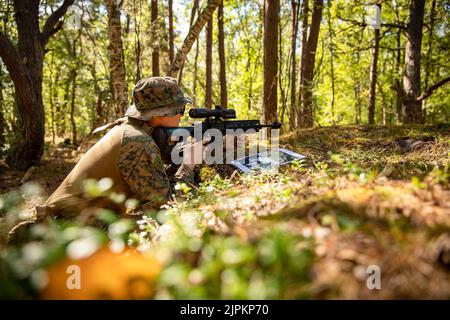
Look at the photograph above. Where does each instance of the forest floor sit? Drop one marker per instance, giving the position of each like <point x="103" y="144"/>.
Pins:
<point x="364" y="196"/>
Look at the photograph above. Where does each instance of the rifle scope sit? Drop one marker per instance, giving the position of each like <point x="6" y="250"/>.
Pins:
<point x="218" y="112"/>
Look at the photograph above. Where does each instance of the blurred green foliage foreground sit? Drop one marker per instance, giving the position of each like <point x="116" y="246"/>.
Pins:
<point x="364" y="196"/>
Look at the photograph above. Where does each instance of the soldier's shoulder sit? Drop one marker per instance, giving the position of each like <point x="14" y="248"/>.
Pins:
<point x="136" y="143"/>
<point x="136" y="140"/>
<point x="135" y="135"/>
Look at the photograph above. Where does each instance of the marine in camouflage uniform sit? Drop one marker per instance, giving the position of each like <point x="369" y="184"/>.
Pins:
<point x="128" y="155"/>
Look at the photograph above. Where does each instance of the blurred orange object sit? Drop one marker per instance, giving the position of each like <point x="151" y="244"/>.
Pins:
<point x="103" y="275"/>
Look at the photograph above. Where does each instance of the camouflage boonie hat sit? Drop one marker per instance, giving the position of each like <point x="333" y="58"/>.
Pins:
<point x="157" y="96"/>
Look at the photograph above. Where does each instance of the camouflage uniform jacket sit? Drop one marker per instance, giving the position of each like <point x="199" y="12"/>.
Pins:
<point x="130" y="157"/>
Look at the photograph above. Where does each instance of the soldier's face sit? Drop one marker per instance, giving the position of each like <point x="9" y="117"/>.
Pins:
<point x="173" y="121"/>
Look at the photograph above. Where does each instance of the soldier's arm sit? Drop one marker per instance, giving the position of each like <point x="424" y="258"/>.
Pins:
<point x="143" y="170"/>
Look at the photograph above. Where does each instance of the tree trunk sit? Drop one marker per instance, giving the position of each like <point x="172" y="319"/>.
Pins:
<point x="72" y="106"/>
<point x="51" y="95"/>
<point x="2" y="118"/>
<point x="64" y="109"/>
<point x="98" y="116"/>
<point x="155" y="35"/>
<point x="398" y="66"/>
<point x="209" y="39"/>
<point x="306" y="111"/>
<point x="171" y="39"/>
<point x="429" y="51"/>
<point x="295" y="13"/>
<point x="374" y="74"/>
<point x="411" y="107"/>
<point x="333" y="89"/>
<point x="137" y="40"/>
<point x="194" y="83"/>
<point x="29" y="147"/>
<point x="271" y="17"/>
<point x="358" y="108"/>
<point x="280" y="76"/>
<point x="74" y="87"/>
<point x="398" y="82"/>
<point x="430" y="44"/>
<point x="305" y="17"/>
<point x="202" y="19"/>
<point x="384" y="104"/>
<point x="223" y="69"/>
<point x="116" y="59"/>
<point x="250" y="82"/>
<point x="25" y="69"/>
<point x="253" y="72"/>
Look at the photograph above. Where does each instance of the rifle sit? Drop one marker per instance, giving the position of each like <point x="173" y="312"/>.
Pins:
<point x="217" y="118"/>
